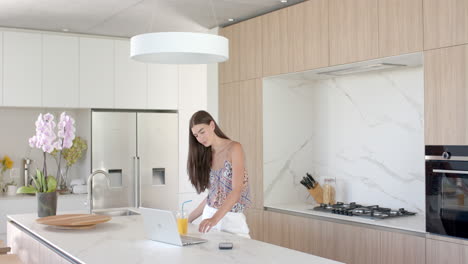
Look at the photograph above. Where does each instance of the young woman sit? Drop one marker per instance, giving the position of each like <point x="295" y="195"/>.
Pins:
<point x="216" y="163"/>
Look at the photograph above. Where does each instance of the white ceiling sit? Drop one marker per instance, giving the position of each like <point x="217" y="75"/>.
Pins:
<point x="126" y="18"/>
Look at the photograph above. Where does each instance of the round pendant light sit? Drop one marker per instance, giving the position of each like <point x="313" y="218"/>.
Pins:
<point x="179" y="48"/>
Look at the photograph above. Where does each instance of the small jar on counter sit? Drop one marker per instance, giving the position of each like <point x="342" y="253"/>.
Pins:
<point x="329" y="187"/>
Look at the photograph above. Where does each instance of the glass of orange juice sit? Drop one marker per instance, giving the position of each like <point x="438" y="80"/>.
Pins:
<point x="182" y="221"/>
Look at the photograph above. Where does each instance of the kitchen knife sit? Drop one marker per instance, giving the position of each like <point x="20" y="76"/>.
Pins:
<point x="311" y="178"/>
<point x="304" y="183"/>
<point x="309" y="182"/>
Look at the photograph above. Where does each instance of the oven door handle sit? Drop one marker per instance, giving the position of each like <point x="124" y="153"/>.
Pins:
<point x="450" y="171"/>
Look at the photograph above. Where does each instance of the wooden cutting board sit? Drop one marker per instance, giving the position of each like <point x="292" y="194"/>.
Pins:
<point x="73" y="220"/>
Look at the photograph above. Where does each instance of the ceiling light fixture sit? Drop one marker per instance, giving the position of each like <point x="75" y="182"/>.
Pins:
<point x="284" y="1"/>
<point x="231" y="19"/>
<point x="180" y="47"/>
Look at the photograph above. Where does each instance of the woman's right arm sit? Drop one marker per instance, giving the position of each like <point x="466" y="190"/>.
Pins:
<point x="197" y="212"/>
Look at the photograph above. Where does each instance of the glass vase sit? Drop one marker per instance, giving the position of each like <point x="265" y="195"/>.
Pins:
<point x="62" y="181"/>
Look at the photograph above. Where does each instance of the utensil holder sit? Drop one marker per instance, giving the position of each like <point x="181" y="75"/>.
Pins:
<point x="317" y="193"/>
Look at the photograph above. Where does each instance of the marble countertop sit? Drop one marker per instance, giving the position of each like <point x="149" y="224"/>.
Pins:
<point x="122" y="240"/>
<point x="416" y="223"/>
<point x="4" y="196"/>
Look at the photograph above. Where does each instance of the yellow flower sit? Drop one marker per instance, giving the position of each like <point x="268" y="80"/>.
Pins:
<point x="7" y="163"/>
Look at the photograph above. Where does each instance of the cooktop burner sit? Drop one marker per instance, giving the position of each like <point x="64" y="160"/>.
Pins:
<point x="372" y="211"/>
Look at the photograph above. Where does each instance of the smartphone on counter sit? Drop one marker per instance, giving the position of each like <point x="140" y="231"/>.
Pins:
<point x="225" y="245"/>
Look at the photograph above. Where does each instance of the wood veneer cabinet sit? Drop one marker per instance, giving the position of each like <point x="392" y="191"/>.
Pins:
<point x="402" y="248"/>
<point x="294" y="232"/>
<point x="251" y="135"/>
<point x="255" y="223"/>
<point x="354" y="30"/>
<point x="275" y="42"/>
<point x="340" y="242"/>
<point x="229" y="71"/>
<point x="229" y="109"/>
<point x="343" y="242"/>
<point x="400" y="27"/>
<point x="442" y="252"/>
<point x="250" y="49"/>
<point x="445" y="96"/>
<point x="445" y="23"/>
<point x="308" y="35"/>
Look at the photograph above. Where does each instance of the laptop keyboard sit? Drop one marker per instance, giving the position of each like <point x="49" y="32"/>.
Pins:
<point x="188" y="240"/>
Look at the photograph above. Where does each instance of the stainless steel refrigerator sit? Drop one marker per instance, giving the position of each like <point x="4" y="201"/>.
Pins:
<point x="139" y="150"/>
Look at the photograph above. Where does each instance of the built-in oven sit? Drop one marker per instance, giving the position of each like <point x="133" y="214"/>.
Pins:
<point x="447" y="190"/>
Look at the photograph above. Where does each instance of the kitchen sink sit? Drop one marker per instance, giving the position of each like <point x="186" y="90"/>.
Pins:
<point x="116" y="212"/>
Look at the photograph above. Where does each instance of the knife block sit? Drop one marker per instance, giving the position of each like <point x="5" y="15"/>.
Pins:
<point x="317" y="193"/>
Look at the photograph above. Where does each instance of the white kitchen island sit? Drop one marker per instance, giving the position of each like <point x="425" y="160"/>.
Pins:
<point x="122" y="240"/>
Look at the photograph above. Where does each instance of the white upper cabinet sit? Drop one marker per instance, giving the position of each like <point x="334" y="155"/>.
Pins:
<point x="22" y="69"/>
<point x="60" y="71"/>
<point x="1" y="68"/>
<point x="193" y="86"/>
<point x="130" y="78"/>
<point x="163" y="86"/>
<point x="96" y="73"/>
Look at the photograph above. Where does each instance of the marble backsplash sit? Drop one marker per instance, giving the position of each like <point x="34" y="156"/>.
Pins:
<point x="365" y="130"/>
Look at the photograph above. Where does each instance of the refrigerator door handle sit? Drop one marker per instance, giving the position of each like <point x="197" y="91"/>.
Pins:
<point x="138" y="185"/>
<point x="135" y="178"/>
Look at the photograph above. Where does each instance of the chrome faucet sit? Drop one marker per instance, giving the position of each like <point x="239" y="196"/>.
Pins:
<point x="90" y="186"/>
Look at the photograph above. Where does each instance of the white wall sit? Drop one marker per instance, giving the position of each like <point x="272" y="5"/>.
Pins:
<point x="18" y="125"/>
<point x="212" y="89"/>
<point x="192" y="97"/>
<point x="366" y="130"/>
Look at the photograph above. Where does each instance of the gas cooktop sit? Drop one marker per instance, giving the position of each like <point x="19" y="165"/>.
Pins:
<point x="372" y="211"/>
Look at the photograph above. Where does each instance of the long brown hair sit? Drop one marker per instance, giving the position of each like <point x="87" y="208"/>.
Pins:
<point x="199" y="156"/>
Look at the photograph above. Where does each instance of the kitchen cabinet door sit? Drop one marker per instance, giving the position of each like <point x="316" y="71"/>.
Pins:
<point x="22" y="69"/>
<point x="229" y="122"/>
<point x="130" y="78"/>
<point x="446" y="96"/>
<point x="251" y="135"/>
<point x="229" y="71"/>
<point x="275" y="42"/>
<point x="60" y="71"/>
<point x="192" y="86"/>
<point x="1" y="68"/>
<point x="356" y="245"/>
<point x="96" y="73"/>
<point x="354" y="34"/>
<point x="441" y="252"/>
<point x="308" y="35"/>
<point x="402" y="248"/>
<point x="400" y="27"/>
<point x="30" y="250"/>
<point x="163" y="86"/>
<point x="294" y="232"/>
<point x="250" y="49"/>
<point x="445" y="23"/>
<point x="255" y="223"/>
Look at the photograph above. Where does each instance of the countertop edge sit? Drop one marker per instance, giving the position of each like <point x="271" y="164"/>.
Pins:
<point x="44" y="242"/>
<point x="347" y="222"/>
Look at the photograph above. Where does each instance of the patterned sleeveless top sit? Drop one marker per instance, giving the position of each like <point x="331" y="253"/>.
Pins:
<point x="221" y="186"/>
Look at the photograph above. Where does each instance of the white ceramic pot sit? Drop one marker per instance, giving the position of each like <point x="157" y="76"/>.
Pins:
<point x="11" y="189"/>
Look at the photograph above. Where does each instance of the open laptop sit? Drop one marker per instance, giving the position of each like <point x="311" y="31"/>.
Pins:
<point x="160" y="225"/>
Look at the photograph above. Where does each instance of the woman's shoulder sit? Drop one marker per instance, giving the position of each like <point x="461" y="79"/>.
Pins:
<point x="235" y="146"/>
<point x="235" y="149"/>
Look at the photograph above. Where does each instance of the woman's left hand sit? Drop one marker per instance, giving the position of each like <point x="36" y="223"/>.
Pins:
<point x="206" y="225"/>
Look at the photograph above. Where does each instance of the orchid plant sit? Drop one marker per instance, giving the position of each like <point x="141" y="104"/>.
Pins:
<point x="48" y="140"/>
